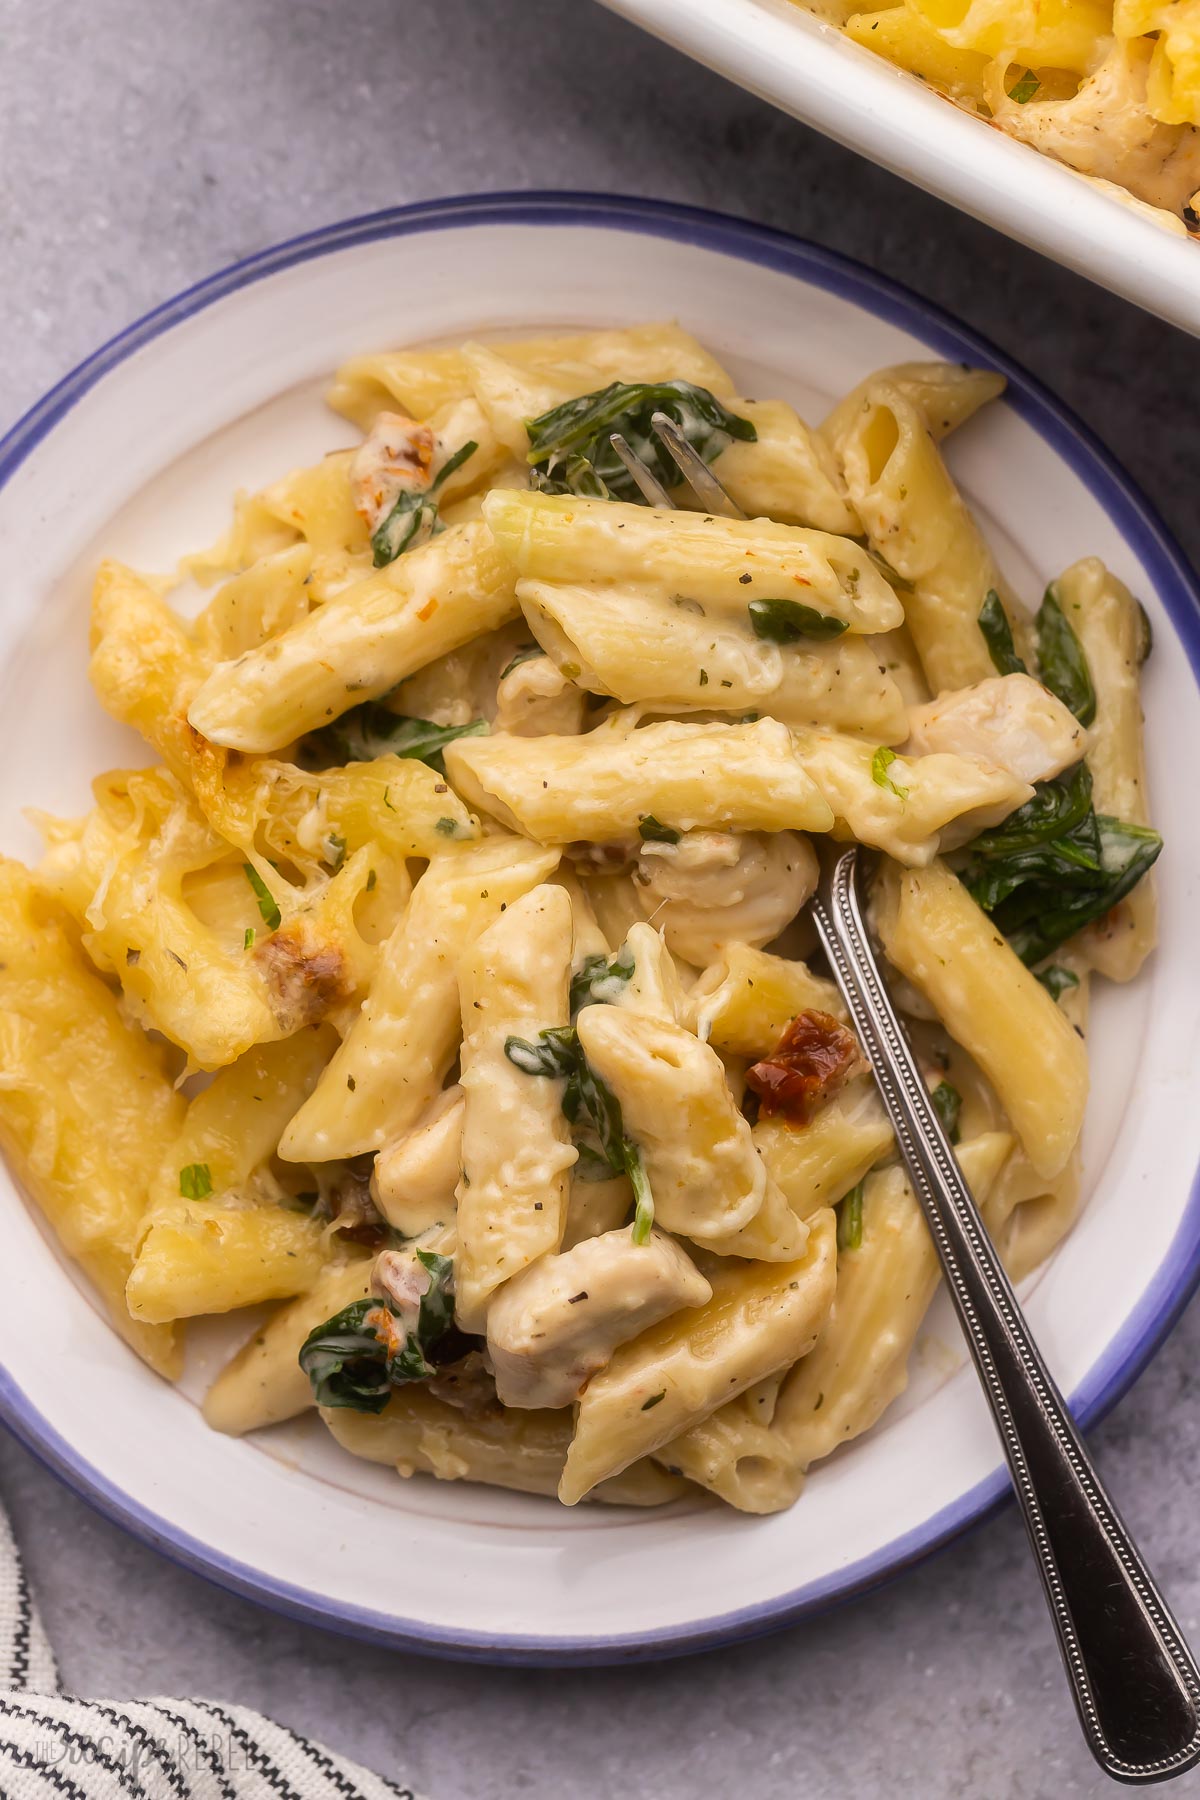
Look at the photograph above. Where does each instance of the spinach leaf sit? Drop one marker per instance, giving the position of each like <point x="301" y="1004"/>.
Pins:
<point x="849" y="1219"/>
<point x="346" y="1362"/>
<point x="554" y="1052"/>
<point x="525" y="654"/>
<point x="415" y="515"/>
<point x="591" y="1109"/>
<point x="1057" y="981"/>
<point x="997" y="635"/>
<point x="1024" y="90"/>
<point x="1049" y="843"/>
<point x="1057" y="808"/>
<point x="570" y="451"/>
<point x="947" y="1104"/>
<point x="653" y="831"/>
<point x="1126" y="853"/>
<point x="1062" y="665"/>
<point x="435" y="1316"/>
<point x="643" y="1215"/>
<point x="357" y="1357"/>
<point x="1055" y="865"/>
<point x="881" y="762"/>
<point x="788" y="621"/>
<point x="594" y="1112"/>
<point x="368" y="731"/>
<point x="600" y="980"/>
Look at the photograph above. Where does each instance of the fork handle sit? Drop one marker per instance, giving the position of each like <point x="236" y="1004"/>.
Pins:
<point x="1135" y="1683"/>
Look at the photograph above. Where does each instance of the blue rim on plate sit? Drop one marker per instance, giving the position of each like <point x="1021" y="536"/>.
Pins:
<point x="1178" y="1274"/>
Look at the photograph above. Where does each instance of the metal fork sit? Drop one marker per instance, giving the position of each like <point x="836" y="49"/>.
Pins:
<point x="695" y="471"/>
<point x="1135" y="1683"/>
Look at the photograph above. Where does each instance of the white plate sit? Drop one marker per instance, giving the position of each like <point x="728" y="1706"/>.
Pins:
<point x="810" y="69"/>
<point x="137" y="454"/>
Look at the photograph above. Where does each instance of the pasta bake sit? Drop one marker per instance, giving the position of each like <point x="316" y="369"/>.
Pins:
<point x="443" y="987"/>
<point x="1109" y="87"/>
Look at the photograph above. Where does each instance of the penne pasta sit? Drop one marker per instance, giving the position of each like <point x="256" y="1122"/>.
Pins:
<point x="444" y="990"/>
<point x="86" y="1105"/>
<point x="723" y="564"/>
<point x="516" y="1149"/>
<point x="915" y="518"/>
<point x="689" y="777"/>
<point x="991" y="1004"/>
<point x="378" y="631"/>
<point x="392" y="1062"/>
<point x="762" y="1317"/>
<point x="1113" y="630"/>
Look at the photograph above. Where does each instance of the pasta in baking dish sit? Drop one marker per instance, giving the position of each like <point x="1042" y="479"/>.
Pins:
<point x="1109" y="87"/>
<point x="445" y="984"/>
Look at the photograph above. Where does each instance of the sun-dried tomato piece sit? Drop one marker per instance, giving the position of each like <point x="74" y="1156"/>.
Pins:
<point x="815" y="1056"/>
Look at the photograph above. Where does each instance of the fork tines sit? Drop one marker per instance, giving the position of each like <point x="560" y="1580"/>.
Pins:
<point x="707" y="490"/>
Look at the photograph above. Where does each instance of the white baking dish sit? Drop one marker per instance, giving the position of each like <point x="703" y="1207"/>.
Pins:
<point x="808" y="68"/>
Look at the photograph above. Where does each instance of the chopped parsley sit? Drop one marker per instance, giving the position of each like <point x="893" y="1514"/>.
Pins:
<point x="881" y="762"/>
<point x="271" y="915"/>
<point x="850" y="1220"/>
<point x="195" y="1181"/>
<point x="789" y="621"/>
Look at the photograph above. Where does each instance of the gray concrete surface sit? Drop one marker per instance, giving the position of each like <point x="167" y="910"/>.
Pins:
<point x="143" y="146"/>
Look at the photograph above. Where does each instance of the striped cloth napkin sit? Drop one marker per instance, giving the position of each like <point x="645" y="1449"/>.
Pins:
<point x="56" y="1747"/>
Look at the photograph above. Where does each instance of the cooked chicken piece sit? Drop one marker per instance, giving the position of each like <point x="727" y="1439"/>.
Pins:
<point x="1107" y="130"/>
<point x="718" y="887"/>
<point x="551" y="1327"/>
<point x="416" y="1174"/>
<point x="1009" y="720"/>
<point x="537" y="700"/>
<point x="395" y="458"/>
